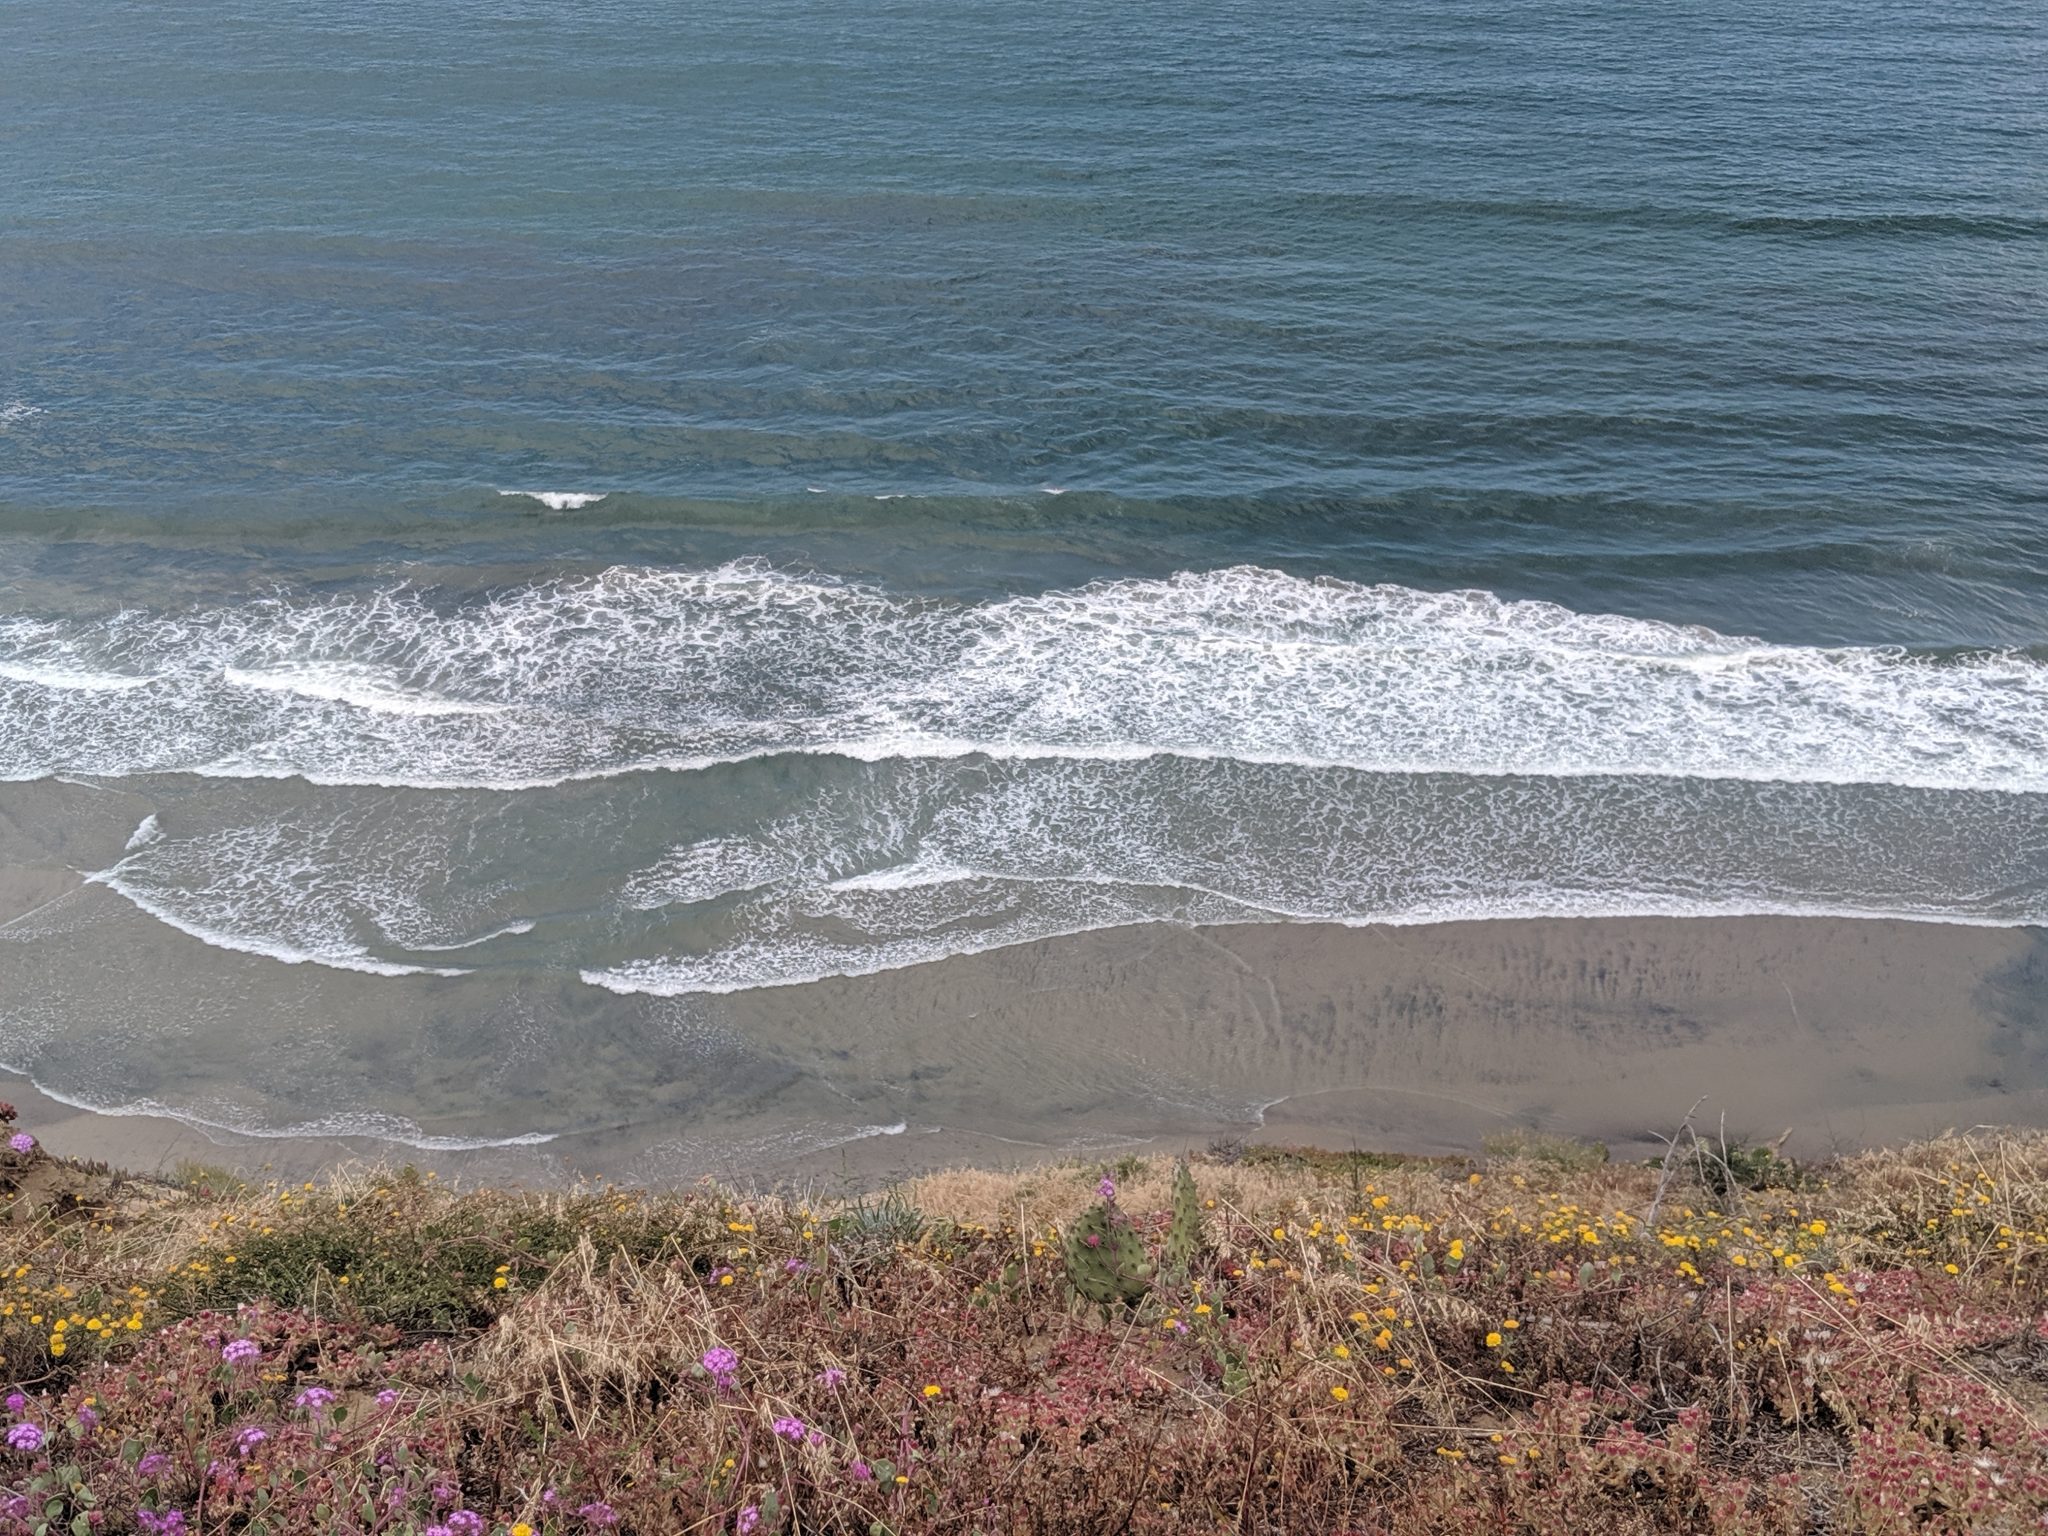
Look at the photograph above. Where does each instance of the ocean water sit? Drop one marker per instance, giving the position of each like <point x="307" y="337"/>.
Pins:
<point x="627" y="502"/>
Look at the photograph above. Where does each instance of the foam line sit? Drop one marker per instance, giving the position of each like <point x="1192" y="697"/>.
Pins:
<point x="638" y="669"/>
<point x="368" y="1126"/>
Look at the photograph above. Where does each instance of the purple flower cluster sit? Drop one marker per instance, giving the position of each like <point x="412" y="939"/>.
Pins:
<point x="249" y="1439"/>
<point x="597" y="1512"/>
<point x="315" y="1400"/>
<point x="169" y="1522"/>
<point x="238" y="1350"/>
<point x="723" y="1365"/>
<point x="24" y="1437"/>
<point x="22" y="1142"/>
<point x="790" y="1429"/>
<point x="1107" y="1188"/>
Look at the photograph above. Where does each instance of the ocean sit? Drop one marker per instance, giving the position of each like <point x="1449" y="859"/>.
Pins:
<point x="528" y="530"/>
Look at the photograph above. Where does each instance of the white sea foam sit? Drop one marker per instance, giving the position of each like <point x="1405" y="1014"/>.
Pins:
<point x="17" y="410"/>
<point x="670" y="887"/>
<point x="561" y="501"/>
<point x="356" y="687"/>
<point x="637" y="669"/>
<point x="271" y="890"/>
<point x="509" y="930"/>
<point x="367" y="1126"/>
<point x="72" y="679"/>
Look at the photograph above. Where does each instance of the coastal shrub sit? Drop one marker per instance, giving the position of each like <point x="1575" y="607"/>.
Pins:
<point x="1414" y="1349"/>
<point x="1522" y="1145"/>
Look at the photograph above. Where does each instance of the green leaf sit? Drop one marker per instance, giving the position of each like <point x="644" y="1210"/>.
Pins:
<point x="81" y="1525"/>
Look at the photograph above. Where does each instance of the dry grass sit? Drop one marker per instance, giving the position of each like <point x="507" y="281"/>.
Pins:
<point x="1366" y="1344"/>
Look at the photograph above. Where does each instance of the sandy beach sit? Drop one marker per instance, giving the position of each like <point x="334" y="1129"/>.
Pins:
<point x="1423" y="1038"/>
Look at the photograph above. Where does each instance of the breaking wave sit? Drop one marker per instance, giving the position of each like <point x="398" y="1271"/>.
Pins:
<point x="636" y="669"/>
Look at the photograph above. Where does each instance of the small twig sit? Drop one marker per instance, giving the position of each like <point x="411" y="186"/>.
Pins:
<point x="1670" y="1152"/>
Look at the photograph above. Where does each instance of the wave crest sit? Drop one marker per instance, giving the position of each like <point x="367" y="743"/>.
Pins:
<point x="636" y="669"/>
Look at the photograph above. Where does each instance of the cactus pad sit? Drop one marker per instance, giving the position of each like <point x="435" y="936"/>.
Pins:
<point x="1184" y="1235"/>
<point x="1105" y="1261"/>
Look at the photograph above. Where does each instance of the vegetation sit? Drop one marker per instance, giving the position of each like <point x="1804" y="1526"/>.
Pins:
<point x="1317" y="1344"/>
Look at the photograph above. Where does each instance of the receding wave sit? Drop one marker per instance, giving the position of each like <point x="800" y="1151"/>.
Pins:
<point x="635" y="669"/>
<point x="758" y="876"/>
<point x="368" y="1125"/>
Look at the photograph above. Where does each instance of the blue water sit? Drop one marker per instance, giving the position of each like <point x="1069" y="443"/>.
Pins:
<point x="1030" y="470"/>
<point x="1735" y="315"/>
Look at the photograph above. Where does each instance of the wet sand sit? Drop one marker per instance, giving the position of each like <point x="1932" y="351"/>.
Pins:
<point x="1426" y="1038"/>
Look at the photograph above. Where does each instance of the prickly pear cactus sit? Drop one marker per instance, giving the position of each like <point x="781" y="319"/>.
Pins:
<point x="1105" y="1261"/>
<point x="1184" y="1234"/>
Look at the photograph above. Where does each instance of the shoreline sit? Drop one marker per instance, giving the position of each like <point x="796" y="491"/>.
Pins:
<point x="1844" y="1032"/>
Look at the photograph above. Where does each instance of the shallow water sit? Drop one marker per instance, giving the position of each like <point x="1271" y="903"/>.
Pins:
<point x="622" y="504"/>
